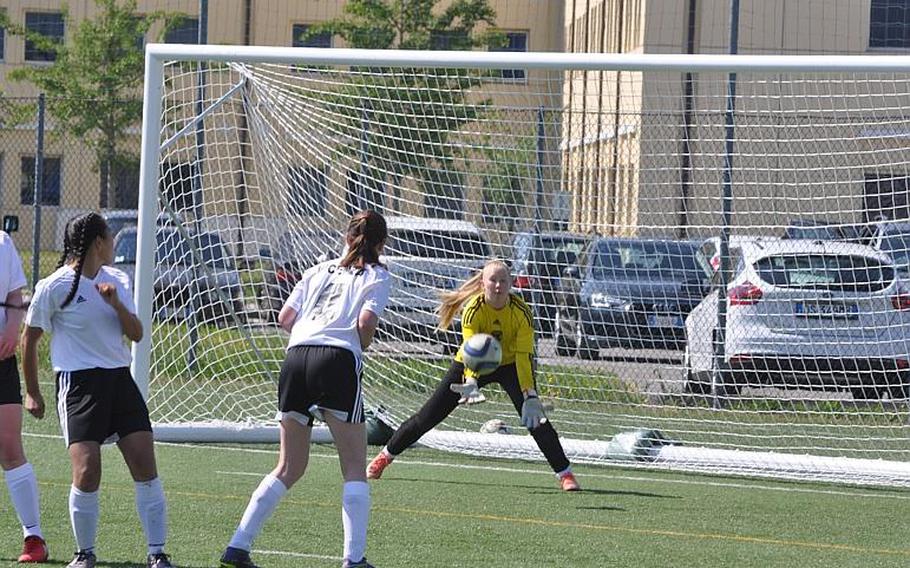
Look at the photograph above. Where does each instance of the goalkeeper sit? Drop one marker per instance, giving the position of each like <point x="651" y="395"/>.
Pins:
<point x="489" y="307"/>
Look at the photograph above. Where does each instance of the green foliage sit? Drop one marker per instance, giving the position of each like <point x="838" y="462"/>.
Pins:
<point x="93" y="85"/>
<point x="408" y="116"/>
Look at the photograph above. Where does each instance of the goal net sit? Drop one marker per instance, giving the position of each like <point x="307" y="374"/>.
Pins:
<point x="712" y="247"/>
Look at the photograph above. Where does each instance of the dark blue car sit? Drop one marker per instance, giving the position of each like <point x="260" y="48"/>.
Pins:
<point x="628" y="292"/>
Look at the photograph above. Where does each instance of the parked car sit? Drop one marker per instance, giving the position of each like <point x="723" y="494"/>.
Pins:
<point x="627" y="292"/>
<point x="283" y="265"/>
<point x="118" y="219"/>
<point x="180" y="279"/>
<point x="708" y="255"/>
<point x="426" y="257"/>
<point x="803" y="313"/>
<point x="538" y="262"/>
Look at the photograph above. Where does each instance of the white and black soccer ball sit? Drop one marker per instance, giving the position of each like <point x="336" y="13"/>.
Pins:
<point x="482" y="353"/>
<point x="495" y="426"/>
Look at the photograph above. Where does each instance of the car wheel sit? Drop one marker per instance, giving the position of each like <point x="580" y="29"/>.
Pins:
<point x="564" y="346"/>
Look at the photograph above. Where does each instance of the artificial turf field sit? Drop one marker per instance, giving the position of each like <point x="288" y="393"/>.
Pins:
<point x="437" y="509"/>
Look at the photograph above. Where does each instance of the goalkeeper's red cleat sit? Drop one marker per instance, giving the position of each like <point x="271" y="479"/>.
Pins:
<point x="568" y="482"/>
<point x="34" y="549"/>
<point x="378" y="465"/>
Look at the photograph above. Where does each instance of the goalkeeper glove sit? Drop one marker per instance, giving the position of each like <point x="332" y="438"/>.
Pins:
<point x="532" y="414"/>
<point x="469" y="391"/>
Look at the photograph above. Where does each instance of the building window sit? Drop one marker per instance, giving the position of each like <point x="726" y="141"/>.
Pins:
<point x="306" y="191"/>
<point x="48" y="24"/>
<point x="50" y="193"/>
<point x="515" y="42"/>
<point x="319" y="40"/>
<point x="889" y="24"/>
<point x="184" y="31"/>
<point x="2" y="40"/>
<point x="125" y="177"/>
<point x="176" y="185"/>
<point x="448" y="40"/>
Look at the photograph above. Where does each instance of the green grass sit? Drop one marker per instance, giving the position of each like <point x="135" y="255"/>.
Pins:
<point x="436" y="509"/>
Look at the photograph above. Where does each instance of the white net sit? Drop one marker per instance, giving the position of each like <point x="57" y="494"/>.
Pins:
<point x="606" y="190"/>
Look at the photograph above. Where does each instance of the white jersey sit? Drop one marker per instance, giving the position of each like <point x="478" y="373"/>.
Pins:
<point x="12" y="277"/>
<point x="328" y="300"/>
<point x="86" y="334"/>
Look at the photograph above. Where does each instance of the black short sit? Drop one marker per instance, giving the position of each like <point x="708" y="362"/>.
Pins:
<point x="95" y="405"/>
<point x="10" y="392"/>
<point x="327" y="378"/>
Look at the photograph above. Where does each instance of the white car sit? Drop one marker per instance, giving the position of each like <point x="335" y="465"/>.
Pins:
<point x="816" y="314"/>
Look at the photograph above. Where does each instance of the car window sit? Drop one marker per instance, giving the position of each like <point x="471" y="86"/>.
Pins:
<point x="825" y="272"/>
<point x="561" y="250"/>
<point x="898" y="248"/>
<point x="427" y="244"/>
<point x="616" y="258"/>
<point x="212" y="249"/>
<point x="125" y="248"/>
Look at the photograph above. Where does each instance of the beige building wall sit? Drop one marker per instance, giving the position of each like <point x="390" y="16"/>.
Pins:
<point x="803" y="148"/>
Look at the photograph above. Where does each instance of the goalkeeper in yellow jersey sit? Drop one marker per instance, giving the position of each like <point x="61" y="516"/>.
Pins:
<point x="488" y="307"/>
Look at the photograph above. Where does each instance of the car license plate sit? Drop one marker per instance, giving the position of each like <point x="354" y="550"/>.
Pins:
<point x="664" y="321"/>
<point x="832" y="310"/>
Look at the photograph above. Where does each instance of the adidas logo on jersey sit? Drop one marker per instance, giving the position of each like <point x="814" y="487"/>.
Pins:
<point x="80" y="299"/>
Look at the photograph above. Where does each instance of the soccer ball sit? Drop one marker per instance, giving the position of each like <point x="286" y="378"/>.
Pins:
<point x="482" y="353"/>
<point x="495" y="426"/>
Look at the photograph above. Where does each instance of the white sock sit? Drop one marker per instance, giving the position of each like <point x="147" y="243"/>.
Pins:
<point x="23" y="492"/>
<point x="564" y="472"/>
<point x="355" y="514"/>
<point x="152" y="509"/>
<point x="261" y="506"/>
<point x="84" y="517"/>
<point x="385" y="451"/>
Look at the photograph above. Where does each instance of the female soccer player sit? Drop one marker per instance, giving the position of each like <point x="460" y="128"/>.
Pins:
<point x="331" y="315"/>
<point x="489" y="307"/>
<point x="87" y="307"/>
<point x="20" y="478"/>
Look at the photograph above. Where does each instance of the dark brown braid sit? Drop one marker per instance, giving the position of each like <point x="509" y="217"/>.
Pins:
<point x="83" y="231"/>
<point x="67" y="244"/>
<point x="365" y="230"/>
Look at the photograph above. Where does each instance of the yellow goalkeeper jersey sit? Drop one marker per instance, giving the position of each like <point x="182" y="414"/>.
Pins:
<point x="512" y="325"/>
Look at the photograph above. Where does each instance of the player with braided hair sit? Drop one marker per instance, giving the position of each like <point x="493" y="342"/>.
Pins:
<point x="87" y="307"/>
<point x="331" y="315"/>
<point x="18" y="472"/>
<point x="487" y="306"/>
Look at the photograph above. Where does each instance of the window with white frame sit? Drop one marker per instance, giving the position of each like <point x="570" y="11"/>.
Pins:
<point x="48" y="24"/>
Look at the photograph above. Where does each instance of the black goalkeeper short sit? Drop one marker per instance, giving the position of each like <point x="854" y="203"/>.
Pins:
<point x="10" y="391"/>
<point x="316" y="379"/>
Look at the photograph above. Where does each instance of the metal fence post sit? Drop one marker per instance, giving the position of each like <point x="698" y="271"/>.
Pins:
<point x="39" y="191"/>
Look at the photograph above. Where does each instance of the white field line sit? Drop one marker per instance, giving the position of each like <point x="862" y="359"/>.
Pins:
<point x="540" y="471"/>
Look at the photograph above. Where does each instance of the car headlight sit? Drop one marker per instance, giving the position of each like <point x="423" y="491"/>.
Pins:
<point x="601" y="300"/>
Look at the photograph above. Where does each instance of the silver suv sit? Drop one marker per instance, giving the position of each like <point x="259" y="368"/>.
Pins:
<point x="426" y="257"/>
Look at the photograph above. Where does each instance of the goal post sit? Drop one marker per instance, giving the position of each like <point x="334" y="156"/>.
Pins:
<point x="601" y="177"/>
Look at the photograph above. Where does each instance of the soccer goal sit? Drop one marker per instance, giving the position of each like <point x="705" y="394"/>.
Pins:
<point x="710" y="245"/>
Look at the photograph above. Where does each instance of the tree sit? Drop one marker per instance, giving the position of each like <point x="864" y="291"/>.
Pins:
<point x="407" y="116"/>
<point x="93" y="85"/>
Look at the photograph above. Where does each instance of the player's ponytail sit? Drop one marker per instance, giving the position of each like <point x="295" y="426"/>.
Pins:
<point x="366" y="230"/>
<point x="81" y="233"/>
<point x="452" y="302"/>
